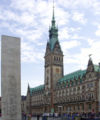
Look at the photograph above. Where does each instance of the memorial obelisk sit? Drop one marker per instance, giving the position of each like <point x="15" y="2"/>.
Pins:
<point x="10" y="78"/>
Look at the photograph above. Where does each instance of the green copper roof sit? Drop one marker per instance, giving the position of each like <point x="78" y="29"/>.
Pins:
<point x="67" y="78"/>
<point x="76" y="75"/>
<point x="53" y="32"/>
<point x="53" y="18"/>
<point x="52" y="43"/>
<point x="73" y="75"/>
<point x="36" y="89"/>
<point x="96" y="68"/>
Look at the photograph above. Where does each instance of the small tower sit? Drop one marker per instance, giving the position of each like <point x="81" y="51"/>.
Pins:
<point x="28" y="100"/>
<point x="90" y="67"/>
<point x="53" y="57"/>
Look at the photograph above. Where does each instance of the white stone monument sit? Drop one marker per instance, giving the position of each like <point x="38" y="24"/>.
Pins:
<point x="10" y="78"/>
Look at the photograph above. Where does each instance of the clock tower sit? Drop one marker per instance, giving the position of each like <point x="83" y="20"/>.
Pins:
<point x="53" y="57"/>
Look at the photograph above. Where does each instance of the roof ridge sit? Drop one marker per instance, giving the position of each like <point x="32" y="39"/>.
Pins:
<point x="70" y="76"/>
<point x="96" y="65"/>
<point x="37" y="86"/>
<point x="74" y="72"/>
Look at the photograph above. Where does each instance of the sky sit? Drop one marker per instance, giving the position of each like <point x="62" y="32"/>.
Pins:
<point x="78" y="22"/>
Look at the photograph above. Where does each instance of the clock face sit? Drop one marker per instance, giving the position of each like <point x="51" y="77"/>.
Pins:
<point x="57" y="70"/>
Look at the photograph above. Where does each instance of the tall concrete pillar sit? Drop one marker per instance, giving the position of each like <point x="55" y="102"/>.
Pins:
<point x="10" y="78"/>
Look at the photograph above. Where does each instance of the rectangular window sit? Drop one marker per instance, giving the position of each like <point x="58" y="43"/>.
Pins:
<point x="82" y="106"/>
<point x="90" y="106"/>
<point x="78" y="107"/>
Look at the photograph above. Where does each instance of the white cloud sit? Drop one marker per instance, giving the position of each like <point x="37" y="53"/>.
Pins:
<point x="90" y="41"/>
<point x="27" y="52"/>
<point x="81" y="59"/>
<point x="77" y="37"/>
<point x="75" y="29"/>
<point x="32" y="19"/>
<point x="62" y="16"/>
<point x="97" y="27"/>
<point x="98" y="31"/>
<point x="25" y="46"/>
<point x="30" y="53"/>
<point x="64" y="33"/>
<point x="79" y="17"/>
<point x="80" y="4"/>
<point x="69" y="44"/>
<point x="69" y="33"/>
<point x="23" y="5"/>
<point x="93" y="49"/>
<point x="96" y="7"/>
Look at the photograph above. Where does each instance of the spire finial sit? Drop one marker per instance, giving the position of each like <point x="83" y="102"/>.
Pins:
<point x="53" y="3"/>
<point x="53" y="11"/>
<point x="53" y="17"/>
<point x="90" y="56"/>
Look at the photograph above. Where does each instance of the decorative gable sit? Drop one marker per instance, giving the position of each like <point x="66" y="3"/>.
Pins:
<point x="90" y="67"/>
<point x="48" y="48"/>
<point x="57" y="48"/>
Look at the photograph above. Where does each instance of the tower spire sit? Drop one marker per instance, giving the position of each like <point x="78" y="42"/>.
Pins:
<point x="53" y="11"/>
<point x="53" y="31"/>
<point x="53" y="17"/>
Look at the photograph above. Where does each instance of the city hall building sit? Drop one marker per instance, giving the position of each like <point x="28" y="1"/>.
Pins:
<point x="76" y="92"/>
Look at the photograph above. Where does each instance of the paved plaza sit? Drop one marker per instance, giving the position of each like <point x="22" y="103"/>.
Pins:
<point x="31" y="119"/>
<point x="36" y="118"/>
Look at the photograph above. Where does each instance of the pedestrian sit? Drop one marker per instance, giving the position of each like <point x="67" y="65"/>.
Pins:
<point x="29" y="117"/>
<point x="38" y="117"/>
<point x="44" y="118"/>
<point x="25" y="116"/>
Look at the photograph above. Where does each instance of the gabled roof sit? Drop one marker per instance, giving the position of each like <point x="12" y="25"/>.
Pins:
<point x="96" y="68"/>
<point x="67" y="78"/>
<point x="72" y="76"/>
<point x="37" y="89"/>
<point x="53" y="42"/>
<point x="75" y="75"/>
<point x="53" y="33"/>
